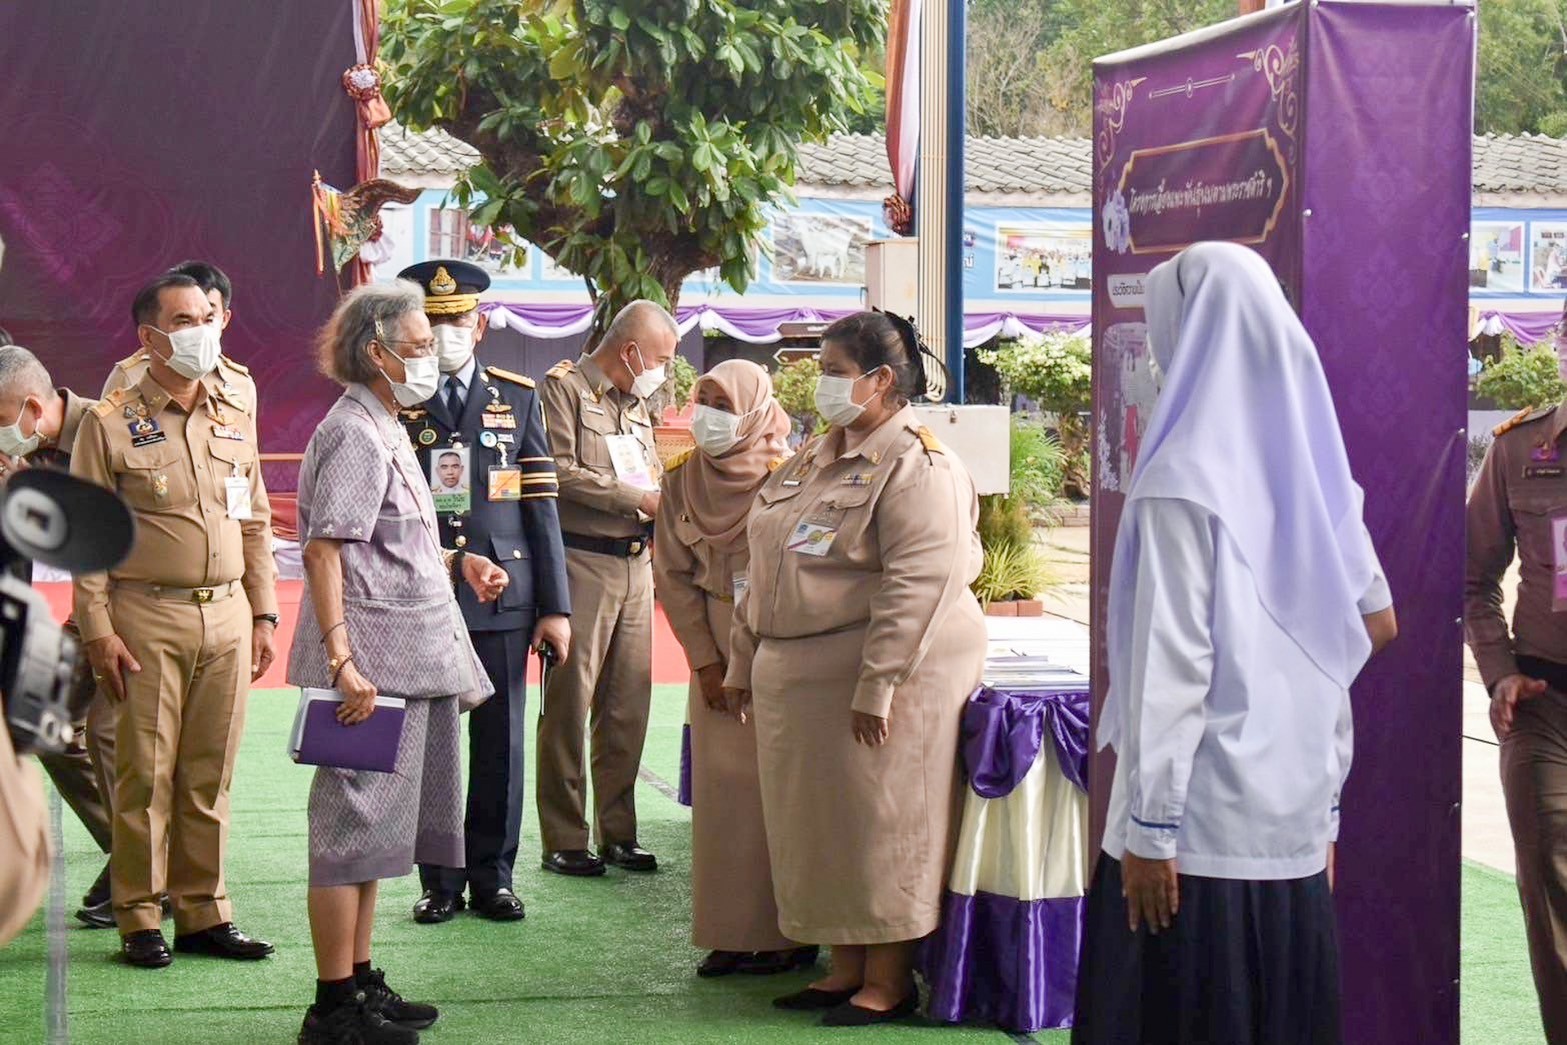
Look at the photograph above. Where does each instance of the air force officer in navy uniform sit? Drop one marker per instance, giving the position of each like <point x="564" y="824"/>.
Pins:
<point x="481" y="442"/>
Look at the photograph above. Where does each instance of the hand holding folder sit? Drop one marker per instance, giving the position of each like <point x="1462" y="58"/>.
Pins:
<point x="320" y="739"/>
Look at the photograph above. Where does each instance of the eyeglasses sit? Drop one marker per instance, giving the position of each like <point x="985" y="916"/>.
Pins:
<point x="421" y="348"/>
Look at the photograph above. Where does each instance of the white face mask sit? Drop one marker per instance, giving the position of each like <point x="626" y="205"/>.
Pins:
<point x="835" y="399"/>
<point x="650" y="380"/>
<point x="421" y="376"/>
<point x="716" y="431"/>
<point x="195" y="350"/>
<point x="453" y="346"/>
<point x="12" y="442"/>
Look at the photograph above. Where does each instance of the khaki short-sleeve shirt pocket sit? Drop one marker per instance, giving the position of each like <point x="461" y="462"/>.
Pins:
<point x="231" y="457"/>
<point x="1533" y="503"/>
<point x="595" y="426"/>
<point x="156" y="478"/>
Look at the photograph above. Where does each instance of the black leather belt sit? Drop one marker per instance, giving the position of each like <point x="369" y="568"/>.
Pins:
<point x="1547" y="671"/>
<point x="624" y="548"/>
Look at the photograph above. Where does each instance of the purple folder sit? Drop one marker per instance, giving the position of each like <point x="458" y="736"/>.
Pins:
<point x="319" y="739"/>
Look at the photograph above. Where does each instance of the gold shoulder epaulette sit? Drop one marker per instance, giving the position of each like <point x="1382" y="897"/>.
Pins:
<point x="113" y="401"/>
<point x="1523" y="417"/>
<point x="561" y="369"/>
<point x="679" y="459"/>
<point x="930" y="442"/>
<point x="235" y="365"/>
<point x="507" y="375"/>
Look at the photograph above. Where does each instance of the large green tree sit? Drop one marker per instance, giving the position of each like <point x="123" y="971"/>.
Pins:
<point x="634" y="141"/>
<point x="1030" y="61"/>
<point x="1522" y="86"/>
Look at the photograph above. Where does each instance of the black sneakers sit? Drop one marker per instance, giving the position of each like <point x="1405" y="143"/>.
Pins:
<point x="353" y="1023"/>
<point x="381" y="999"/>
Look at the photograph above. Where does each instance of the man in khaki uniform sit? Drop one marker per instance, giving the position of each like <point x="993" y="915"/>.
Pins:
<point x="24" y="840"/>
<point x="220" y="292"/>
<point x="1519" y="502"/>
<point x="179" y="630"/>
<point x="38" y="425"/>
<point x="601" y="436"/>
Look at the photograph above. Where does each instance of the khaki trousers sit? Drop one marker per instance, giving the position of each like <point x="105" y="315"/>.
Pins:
<point x="177" y="733"/>
<point x="607" y="680"/>
<point x="1534" y="779"/>
<point x="76" y="775"/>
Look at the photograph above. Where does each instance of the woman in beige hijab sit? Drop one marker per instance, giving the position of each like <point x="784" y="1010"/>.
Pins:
<point x="699" y="562"/>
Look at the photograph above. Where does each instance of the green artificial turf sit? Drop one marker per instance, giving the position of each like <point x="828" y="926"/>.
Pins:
<point x="597" y="960"/>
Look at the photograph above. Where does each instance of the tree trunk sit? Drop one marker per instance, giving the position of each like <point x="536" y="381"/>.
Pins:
<point x="1074" y="440"/>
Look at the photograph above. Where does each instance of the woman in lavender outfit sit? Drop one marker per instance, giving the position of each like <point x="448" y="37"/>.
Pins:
<point x="379" y="616"/>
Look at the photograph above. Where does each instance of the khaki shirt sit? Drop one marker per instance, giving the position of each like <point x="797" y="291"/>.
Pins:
<point x="176" y="489"/>
<point x="581" y="411"/>
<point x="1521" y="488"/>
<point x="24" y="839"/>
<point x="241" y="387"/>
<point x="903" y="549"/>
<point x="57" y="454"/>
<point x="689" y="569"/>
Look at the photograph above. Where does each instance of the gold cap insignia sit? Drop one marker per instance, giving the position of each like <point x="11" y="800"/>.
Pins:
<point x="442" y="282"/>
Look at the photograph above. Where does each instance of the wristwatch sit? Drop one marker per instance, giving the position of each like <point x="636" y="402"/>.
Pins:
<point x="270" y="618"/>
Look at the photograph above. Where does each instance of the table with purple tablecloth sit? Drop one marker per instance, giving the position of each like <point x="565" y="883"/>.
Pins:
<point x="1012" y="923"/>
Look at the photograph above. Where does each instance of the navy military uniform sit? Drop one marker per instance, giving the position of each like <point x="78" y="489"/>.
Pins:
<point x="502" y="504"/>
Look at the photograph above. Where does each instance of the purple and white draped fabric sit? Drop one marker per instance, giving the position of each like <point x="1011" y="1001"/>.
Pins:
<point x="1012" y="922"/>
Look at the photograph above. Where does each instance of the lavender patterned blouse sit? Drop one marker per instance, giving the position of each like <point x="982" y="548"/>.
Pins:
<point x="361" y="484"/>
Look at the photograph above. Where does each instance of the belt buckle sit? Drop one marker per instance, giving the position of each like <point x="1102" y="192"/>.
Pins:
<point x="635" y="546"/>
<point x="202" y="595"/>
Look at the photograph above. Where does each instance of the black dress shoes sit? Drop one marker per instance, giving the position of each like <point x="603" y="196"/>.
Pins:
<point x="98" y="916"/>
<point x="353" y="1023"/>
<point x="393" y="1007"/>
<point x="629" y="856"/>
<point x="721" y="963"/>
<point x="436" y="906"/>
<point x="811" y="998"/>
<point x="223" y="941"/>
<point x="850" y="1015"/>
<point x="500" y="906"/>
<point x="578" y="863"/>
<point x="146" y="950"/>
<point x="771" y="963"/>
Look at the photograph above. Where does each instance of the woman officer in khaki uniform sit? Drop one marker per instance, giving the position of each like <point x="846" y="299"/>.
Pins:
<point x="699" y="563"/>
<point x="856" y="645"/>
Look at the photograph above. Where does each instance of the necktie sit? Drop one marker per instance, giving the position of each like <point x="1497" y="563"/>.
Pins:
<point x="454" y="397"/>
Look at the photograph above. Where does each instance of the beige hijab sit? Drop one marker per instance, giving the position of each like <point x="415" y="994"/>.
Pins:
<point x="719" y="490"/>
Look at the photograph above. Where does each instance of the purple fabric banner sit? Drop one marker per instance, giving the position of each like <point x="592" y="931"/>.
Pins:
<point x="1370" y="105"/>
<point x="684" y="791"/>
<point x="1388" y="88"/>
<point x="1005" y="961"/>
<point x="165" y="131"/>
<point x="1529" y="328"/>
<point x="1004" y="731"/>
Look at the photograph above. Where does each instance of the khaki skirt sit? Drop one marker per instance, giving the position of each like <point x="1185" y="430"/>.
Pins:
<point x="860" y="838"/>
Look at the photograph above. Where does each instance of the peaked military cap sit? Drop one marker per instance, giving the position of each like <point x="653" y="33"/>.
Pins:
<point x="450" y="287"/>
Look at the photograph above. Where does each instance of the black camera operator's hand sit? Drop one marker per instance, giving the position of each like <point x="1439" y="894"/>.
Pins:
<point x="110" y="660"/>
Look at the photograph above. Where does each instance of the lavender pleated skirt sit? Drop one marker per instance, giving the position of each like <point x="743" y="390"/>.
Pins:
<point x="1245" y="963"/>
<point x="366" y="826"/>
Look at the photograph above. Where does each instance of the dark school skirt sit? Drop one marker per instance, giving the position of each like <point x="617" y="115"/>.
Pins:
<point x="1243" y="963"/>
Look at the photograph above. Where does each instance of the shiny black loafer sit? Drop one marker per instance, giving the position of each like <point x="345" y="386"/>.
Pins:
<point x="575" y="863"/>
<point x="223" y="941"/>
<point x="146" y="950"/>
<point x="500" y="906"/>
<point x="772" y="963"/>
<point x="435" y="907"/>
<point x="721" y="963"/>
<point x="628" y="856"/>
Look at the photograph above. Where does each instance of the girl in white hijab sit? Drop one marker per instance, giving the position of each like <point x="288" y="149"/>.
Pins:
<point x="1245" y="597"/>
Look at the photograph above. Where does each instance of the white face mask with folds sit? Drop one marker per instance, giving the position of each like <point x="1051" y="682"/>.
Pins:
<point x="453" y="346"/>
<point x="650" y="380"/>
<point x="421" y="375"/>
<point x="716" y="431"/>
<point x="194" y="350"/>
<point x="835" y="399"/>
<point x="12" y="442"/>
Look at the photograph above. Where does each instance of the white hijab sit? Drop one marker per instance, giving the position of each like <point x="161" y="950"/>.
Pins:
<point x="1245" y="428"/>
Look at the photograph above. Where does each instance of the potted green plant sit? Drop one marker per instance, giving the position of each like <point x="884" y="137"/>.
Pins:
<point x="1056" y="371"/>
<point x="1522" y="377"/>
<point x="1015" y="571"/>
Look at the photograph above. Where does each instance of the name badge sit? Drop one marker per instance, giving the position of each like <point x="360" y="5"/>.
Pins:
<point x="145" y="432"/>
<point x="505" y="484"/>
<point x="237" y="487"/>
<point x="812" y="539"/>
<point x="1544" y="471"/>
<point x="450" y="482"/>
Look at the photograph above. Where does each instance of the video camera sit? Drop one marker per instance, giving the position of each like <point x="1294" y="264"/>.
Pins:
<point x="51" y="518"/>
